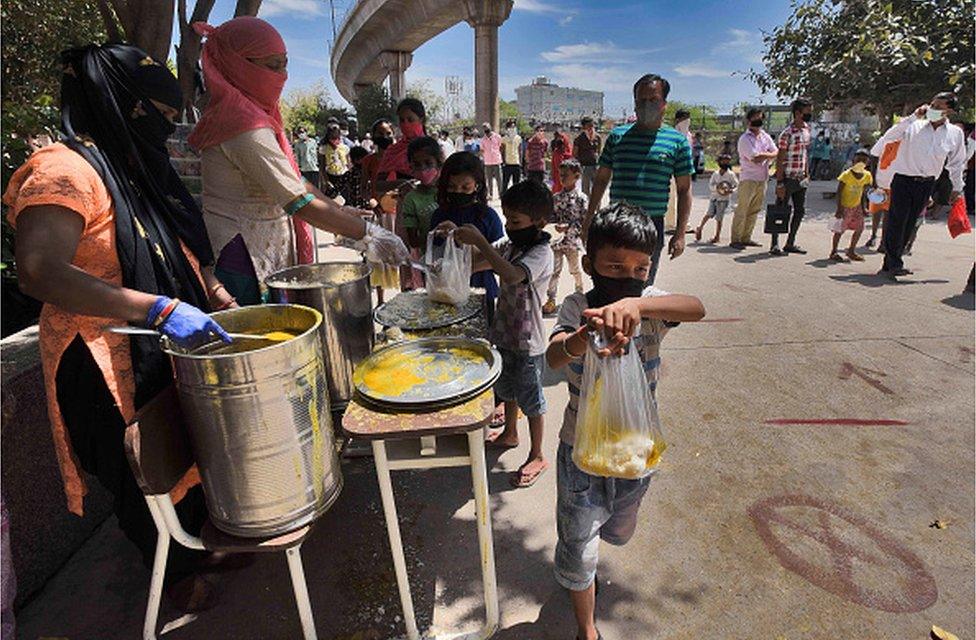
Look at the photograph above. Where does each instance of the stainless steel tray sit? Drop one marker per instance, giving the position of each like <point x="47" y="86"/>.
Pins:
<point x="428" y="372"/>
<point x="414" y="311"/>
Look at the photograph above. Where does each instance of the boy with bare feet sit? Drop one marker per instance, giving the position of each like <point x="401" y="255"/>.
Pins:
<point x="591" y="508"/>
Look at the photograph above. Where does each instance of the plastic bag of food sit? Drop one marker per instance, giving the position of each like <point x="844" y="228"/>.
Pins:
<point x="449" y="274"/>
<point x="618" y="433"/>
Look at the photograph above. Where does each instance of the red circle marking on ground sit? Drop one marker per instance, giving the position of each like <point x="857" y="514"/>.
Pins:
<point x="913" y="590"/>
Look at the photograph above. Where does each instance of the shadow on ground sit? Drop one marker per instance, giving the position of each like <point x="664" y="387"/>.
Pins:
<point x="349" y="571"/>
<point x="965" y="301"/>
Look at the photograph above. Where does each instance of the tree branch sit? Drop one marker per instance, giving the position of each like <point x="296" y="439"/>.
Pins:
<point x="110" y="21"/>
<point x="247" y="8"/>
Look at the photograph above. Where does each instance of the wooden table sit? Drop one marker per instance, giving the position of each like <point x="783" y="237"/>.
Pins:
<point x="396" y="439"/>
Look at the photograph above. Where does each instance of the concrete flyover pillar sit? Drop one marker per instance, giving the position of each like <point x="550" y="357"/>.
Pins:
<point x="395" y="63"/>
<point x="485" y="16"/>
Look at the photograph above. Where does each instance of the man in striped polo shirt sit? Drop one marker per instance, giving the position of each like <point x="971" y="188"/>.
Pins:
<point x="638" y="162"/>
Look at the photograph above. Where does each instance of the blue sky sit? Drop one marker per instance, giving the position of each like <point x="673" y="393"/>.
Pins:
<point x="604" y="46"/>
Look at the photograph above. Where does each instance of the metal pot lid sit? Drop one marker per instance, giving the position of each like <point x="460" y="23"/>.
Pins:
<point x="414" y="311"/>
<point x="428" y="371"/>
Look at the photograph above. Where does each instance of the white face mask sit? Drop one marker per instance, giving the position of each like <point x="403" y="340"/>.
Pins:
<point x="510" y="131"/>
<point x="934" y="115"/>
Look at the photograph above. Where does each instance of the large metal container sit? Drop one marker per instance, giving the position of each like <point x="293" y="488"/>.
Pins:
<point x="340" y="292"/>
<point x="259" y="422"/>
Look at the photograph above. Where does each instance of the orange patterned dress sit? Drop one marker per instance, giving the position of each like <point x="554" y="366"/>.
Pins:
<point x="56" y="175"/>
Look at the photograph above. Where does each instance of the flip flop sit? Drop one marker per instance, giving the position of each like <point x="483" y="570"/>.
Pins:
<point x="519" y="480"/>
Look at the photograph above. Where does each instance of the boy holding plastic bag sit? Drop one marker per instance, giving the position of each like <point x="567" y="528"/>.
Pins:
<point x="523" y="261"/>
<point x="609" y="340"/>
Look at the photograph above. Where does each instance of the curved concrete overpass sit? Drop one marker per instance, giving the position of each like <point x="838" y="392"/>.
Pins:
<point x="378" y="38"/>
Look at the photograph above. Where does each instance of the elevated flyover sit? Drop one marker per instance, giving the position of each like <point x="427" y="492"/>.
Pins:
<point x="378" y="38"/>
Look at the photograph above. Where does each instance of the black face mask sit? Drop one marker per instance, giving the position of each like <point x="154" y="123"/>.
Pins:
<point x="609" y="290"/>
<point x="458" y="200"/>
<point x="756" y="123"/>
<point x="383" y="141"/>
<point x="807" y="117"/>
<point x="724" y="166"/>
<point x="522" y="238"/>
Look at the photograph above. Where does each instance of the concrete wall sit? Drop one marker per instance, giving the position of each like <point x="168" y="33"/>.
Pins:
<point x="43" y="534"/>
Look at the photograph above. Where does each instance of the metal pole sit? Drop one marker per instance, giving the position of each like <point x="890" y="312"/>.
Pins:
<point x="393" y="531"/>
<point x="482" y="510"/>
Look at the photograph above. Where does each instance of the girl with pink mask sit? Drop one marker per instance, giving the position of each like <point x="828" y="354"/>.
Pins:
<point x="256" y="205"/>
<point x="425" y="157"/>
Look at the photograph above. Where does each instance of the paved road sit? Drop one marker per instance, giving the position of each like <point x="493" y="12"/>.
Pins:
<point x="767" y="521"/>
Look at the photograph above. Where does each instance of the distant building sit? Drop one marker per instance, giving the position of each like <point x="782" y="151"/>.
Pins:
<point x="543" y="101"/>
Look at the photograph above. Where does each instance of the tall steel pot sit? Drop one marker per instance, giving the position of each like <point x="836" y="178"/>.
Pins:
<point x="259" y="422"/>
<point x="340" y="291"/>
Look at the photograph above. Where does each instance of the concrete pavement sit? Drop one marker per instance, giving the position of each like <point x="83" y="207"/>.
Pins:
<point x="820" y="420"/>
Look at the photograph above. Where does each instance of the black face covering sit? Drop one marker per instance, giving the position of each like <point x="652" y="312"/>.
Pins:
<point x="523" y="238"/>
<point x="807" y="117"/>
<point x="383" y="141"/>
<point x="458" y="200"/>
<point x="609" y="290"/>
<point x="108" y="118"/>
<point x="756" y="123"/>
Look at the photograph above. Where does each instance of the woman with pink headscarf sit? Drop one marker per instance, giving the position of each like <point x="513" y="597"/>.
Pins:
<point x="255" y="201"/>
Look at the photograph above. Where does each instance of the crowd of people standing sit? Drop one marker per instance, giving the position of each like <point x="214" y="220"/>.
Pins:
<point x="106" y="231"/>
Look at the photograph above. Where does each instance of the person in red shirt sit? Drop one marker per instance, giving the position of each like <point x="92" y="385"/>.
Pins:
<point x="562" y="148"/>
<point x="535" y="155"/>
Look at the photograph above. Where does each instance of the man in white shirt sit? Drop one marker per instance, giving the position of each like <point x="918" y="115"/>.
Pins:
<point x="444" y="140"/>
<point x="928" y="143"/>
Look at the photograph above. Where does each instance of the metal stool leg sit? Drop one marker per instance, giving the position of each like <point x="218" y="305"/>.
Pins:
<point x="294" y="555"/>
<point x="158" y="573"/>
<point x="479" y="479"/>
<point x="393" y="531"/>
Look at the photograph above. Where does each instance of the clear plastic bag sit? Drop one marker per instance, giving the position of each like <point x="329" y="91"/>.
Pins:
<point x="618" y="433"/>
<point x="449" y="276"/>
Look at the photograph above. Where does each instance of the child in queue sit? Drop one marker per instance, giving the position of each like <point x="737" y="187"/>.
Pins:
<point x="619" y="247"/>
<point x="851" y="186"/>
<point x="569" y="209"/>
<point x="425" y="157"/>
<point x="462" y="199"/>
<point x="523" y="260"/>
<point x="721" y="185"/>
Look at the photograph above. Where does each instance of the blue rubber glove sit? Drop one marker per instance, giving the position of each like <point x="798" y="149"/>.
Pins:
<point x="187" y="326"/>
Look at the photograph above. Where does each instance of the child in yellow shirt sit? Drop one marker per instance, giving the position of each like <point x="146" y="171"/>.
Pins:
<point x="850" y="205"/>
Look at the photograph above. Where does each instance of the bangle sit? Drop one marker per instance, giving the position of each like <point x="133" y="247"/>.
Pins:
<point x="165" y="313"/>
<point x="298" y="203"/>
<point x="569" y="354"/>
<point x="217" y="287"/>
<point x="227" y="304"/>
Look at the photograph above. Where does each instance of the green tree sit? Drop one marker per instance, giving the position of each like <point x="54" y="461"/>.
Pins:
<point x="509" y="111"/>
<point x="702" y="116"/>
<point x="434" y="103"/>
<point x="889" y="55"/>
<point x="372" y="103"/>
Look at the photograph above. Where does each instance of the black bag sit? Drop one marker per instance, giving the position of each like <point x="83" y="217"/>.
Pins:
<point x="777" y="217"/>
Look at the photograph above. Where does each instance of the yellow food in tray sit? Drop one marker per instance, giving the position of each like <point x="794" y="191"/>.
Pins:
<point x="397" y="373"/>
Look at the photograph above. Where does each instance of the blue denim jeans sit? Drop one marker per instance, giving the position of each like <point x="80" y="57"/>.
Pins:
<point x="588" y="509"/>
<point x="521" y="381"/>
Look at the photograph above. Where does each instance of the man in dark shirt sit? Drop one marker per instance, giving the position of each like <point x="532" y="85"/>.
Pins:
<point x="586" y="149"/>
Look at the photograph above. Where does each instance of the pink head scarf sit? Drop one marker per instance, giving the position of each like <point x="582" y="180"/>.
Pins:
<point x="244" y="95"/>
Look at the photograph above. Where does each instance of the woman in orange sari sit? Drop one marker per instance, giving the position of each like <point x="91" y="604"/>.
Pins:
<point x="107" y="235"/>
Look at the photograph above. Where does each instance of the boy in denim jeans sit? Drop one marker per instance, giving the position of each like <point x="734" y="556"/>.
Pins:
<point x="619" y="247"/>
<point x="523" y="262"/>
